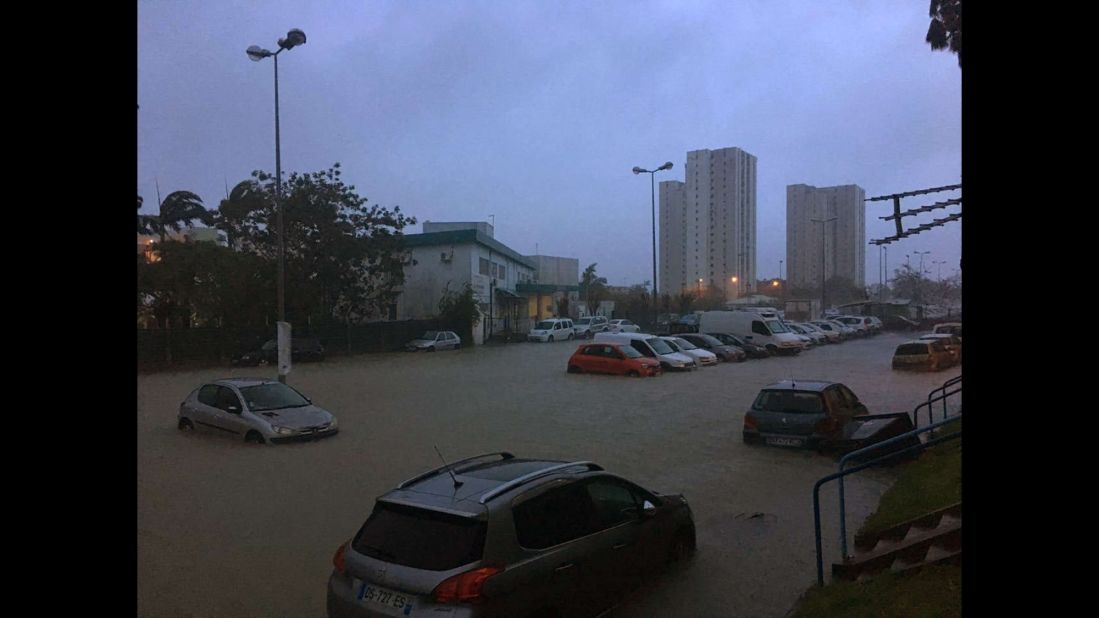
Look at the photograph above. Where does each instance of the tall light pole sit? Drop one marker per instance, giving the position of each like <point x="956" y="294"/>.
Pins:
<point x="652" y="189"/>
<point x="293" y="38"/>
<point x="919" y="280"/>
<point x="823" y="306"/>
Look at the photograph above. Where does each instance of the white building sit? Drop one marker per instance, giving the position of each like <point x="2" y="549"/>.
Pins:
<point x="844" y="239"/>
<point x="708" y="225"/>
<point x="512" y="290"/>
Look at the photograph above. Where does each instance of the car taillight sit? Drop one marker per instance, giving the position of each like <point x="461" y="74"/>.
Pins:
<point x="338" y="559"/>
<point x="464" y="587"/>
<point x="750" y="423"/>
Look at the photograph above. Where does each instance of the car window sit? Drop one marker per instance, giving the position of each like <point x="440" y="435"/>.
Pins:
<point x="641" y="347"/>
<point x="592" y="350"/>
<point x="848" y="396"/>
<point x="226" y="397"/>
<point x="554" y="517"/>
<point x="759" y="329"/>
<point x="420" y="538"/>
<point x="208" y="395"/>
<point x="909" y="349"/>
<point x="835" y="401"/>
<point x="629" y="352"/>
<point x="789" y="401"/>
<point x="614" y="503"/>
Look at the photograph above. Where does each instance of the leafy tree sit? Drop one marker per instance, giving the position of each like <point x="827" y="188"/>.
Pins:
<point x="684" y="302"/>
<point x="460" y="307"/>
<point x="593" y="288"/>
<point x="343" y="258"/>
<point x="146" y="224"/>
<point x="945" y="31"/>
<point x="842" y="290"/>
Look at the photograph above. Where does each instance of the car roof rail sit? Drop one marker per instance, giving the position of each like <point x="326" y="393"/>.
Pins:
<point x="504" y="455"/>
<point x="526" y="478"/>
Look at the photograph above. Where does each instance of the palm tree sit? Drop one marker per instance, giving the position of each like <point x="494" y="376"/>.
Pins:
<point x="233" y="211"/>
<point x="146" y="224"/>
<point x="945" y="31"/>
<point x="179" y="207"/>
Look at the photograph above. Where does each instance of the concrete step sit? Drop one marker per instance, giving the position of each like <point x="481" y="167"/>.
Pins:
<point x="919" y="545"/>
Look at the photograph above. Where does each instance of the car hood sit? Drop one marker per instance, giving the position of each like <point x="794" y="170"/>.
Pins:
<point x="420" y="343"/>
<point x="677" y="357"/>
<point x="307" y="416"/>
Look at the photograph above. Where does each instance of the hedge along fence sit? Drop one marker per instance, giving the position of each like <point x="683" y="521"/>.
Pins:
<point x="190" y="347"/>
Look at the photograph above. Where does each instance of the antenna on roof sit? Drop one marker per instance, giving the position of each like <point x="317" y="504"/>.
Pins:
<point x="457" y="483"/>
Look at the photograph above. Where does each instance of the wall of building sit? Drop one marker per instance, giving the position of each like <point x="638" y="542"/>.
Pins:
<point x="709" y="224"/>
<point x="556" y="270"/>
<point x="450" y="226"/>
<point x="844" y="240"/>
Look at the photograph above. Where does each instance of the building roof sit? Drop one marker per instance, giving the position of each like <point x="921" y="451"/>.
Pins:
<point x="459" y="237"/>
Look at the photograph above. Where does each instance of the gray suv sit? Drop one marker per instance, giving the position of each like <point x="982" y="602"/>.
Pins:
<point x="495" y="535"/>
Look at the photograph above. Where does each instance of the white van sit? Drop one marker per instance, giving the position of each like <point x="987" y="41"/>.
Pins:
<point x="651" y="346"/>
<point x="767" y="331"/>
<point x="554" y="329"/>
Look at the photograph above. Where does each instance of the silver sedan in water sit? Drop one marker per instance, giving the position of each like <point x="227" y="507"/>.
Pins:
<point x="257" y="409"/>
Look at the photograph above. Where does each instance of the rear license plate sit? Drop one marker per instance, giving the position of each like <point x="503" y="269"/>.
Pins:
<point x="785" y="441"/>
<point x="383" y="599"/>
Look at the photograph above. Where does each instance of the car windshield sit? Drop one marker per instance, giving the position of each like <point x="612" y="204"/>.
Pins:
<point x="272" y="396"/>
<point x="543" y="326"/>
<point x="629" y="352"/>
<point x="429" y="335"/>
<point x="684" y="344"/>
<point x="789" y="401"/>
<point x="659" y="346"/>
<point x="712" y="341"/>
<point x="270" y="346"/>
<point x="776" y="327"/>
<point x="583" y="321"/>
<point x="671" y="344"/>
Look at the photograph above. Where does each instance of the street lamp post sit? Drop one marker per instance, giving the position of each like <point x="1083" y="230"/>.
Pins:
<point x="256" y="53"/>
<point x="652" y="189"/>
<point x="919" y="280"/>
<point x="823" y="305"/>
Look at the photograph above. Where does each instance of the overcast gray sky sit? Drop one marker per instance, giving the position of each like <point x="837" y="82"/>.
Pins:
<point x="536" y="111"/>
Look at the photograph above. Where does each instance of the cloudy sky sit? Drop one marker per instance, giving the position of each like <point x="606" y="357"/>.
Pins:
<point x="535" y="111"/>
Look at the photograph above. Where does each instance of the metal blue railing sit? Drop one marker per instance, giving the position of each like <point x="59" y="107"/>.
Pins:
<point x="930" y="400"/>
<point x="863" y="466"/>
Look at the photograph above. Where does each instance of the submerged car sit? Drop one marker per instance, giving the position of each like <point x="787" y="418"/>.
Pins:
<point x="613" y="358"/>
<point x="622" y="326"/>
<point x="753" y="350"/>
<point x="302" y="349"/>
<point x="497" y="535"/>
<point x="952" y="343"/>
<point x="703" y="357"/>
<point x="587" y="327"/>
<point x="435" y="340"/>
<point x="256" y="409"/>
<point x="820" y="415"/>
<point x="726" y="352"/>
<point x="556" y="329"/>
<point x="922" y="354"/>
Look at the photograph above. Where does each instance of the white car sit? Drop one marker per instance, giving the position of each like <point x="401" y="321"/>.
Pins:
<point x="435" y="340"/>
<point x="623" y="326"/>
<point x="557" y="329"/>
<point x="815" y="338"/>
<point x="814" y="329"/>
<point x="586" y="328"/>
<point x="702" y="357"/>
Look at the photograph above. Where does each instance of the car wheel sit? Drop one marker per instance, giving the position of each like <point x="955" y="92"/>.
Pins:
<point x="634" y="374"/>
<point x="568" y="337"/>
<point x="682" y="548"/>
<point x="253" y="437"/>
<point x="773" y="350"/>
<point x="575" y="369"/>
<point x="431" y="349"/>
<point x="550" y="340"/>
<point x="185" y="425"/>
<point x="588" y="335"/>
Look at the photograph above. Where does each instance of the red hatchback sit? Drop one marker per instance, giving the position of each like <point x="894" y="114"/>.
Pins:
<point x="614" y="359"/>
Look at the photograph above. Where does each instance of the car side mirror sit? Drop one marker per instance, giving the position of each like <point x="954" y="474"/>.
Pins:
<point x="648" y="509"/>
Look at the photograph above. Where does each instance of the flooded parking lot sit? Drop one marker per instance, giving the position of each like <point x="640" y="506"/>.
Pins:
<point x="229" y="529"/>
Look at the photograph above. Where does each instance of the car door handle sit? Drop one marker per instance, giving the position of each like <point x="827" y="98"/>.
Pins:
<point x="564" y="567"/>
